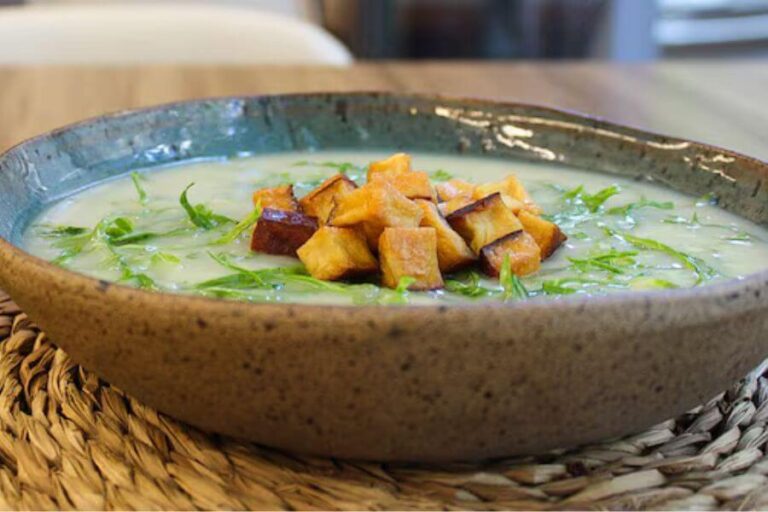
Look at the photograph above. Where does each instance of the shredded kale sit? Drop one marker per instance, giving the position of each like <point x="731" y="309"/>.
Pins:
<point x="400" y="293"/>
<point x="561" y="286"/>
<point x="245" y="280"/>
<point x="613" y="261"/>
<point x="165" y="257"/>
<point x="241" y="227"/>
<point x="510" y="283"/>
<point x="468" y="285"/>
<point x="63" y="231"/>
<point x="651" y="283"/>
<point x="440" y="175"/>
<point x="738" y="234"/>
<point x="593" y="202"/>
<point x="136" y="179"/>
<point x="699" y="267"/>
<point x="628" y="209"/>
<point x="200" y="215"/>
<point x="580" y="206"/>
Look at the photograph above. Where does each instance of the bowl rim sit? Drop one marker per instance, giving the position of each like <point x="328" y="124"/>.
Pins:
<point x="714" y="293"/>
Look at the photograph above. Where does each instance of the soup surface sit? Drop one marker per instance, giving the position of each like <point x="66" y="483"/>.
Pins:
<point x="622" y="234"/>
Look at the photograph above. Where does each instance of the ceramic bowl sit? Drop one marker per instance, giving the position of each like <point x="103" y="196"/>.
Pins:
<point x="427" y="383"/>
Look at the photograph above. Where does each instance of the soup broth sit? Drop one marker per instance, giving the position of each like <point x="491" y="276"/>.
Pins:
<point x="622" y="234"/>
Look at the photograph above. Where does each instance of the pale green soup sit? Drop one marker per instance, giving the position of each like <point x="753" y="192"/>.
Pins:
<point x="623" y="235"/>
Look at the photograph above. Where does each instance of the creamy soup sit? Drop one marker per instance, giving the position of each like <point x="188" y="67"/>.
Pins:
<point x="622" y="234"/>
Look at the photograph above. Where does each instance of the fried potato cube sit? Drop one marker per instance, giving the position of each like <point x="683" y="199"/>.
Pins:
<point x="410" y="252"/>
<point x="282" y="232"/>
<point x="454" y="188"/>
<point x="457" y="203"/>
<point x="453" y="253"/>
<point x="413" y="185"/>
<point x="337" y="253"/>
<point x="484" y="221"/>
<point x="511" y="187"/>
<point x="374" y="207"/>
<point x="396" y="164"/>
<point x="321" y="201"/>
<point x="524" y="255"/>
<point x="547" y="234"/>
<point x="277" y="198"/>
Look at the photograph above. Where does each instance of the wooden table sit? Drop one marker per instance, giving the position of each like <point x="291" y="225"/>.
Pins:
<point x="724" y="103"/>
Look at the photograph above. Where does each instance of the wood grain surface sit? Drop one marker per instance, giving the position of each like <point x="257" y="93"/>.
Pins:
<point x="720" y="102"/>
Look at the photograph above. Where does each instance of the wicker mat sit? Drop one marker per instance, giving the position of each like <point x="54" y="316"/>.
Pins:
<point x="68" y="440"/>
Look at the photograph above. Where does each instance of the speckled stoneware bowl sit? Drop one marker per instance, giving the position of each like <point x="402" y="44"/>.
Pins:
<point x="385" y="382"/>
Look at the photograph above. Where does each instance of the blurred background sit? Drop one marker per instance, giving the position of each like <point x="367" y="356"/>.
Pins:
<point x="337" y="31"/>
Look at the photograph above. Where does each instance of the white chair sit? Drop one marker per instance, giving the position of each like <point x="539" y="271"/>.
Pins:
<point x="140" y="33"/>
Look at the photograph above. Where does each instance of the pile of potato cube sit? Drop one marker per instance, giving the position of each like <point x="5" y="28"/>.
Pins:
<point x="401" y="225"/>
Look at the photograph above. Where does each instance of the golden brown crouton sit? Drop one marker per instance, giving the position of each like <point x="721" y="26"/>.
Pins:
<point x="454" y="188"/>
<point x="484" y="221"/>
<point x="410" y="252"/>
<point x="397" y="163"/>
<point x="453" y="253"/>
<point x="547" y="234"/>
<point x="281" y="232"/>
<point x="511" y="187"/>
<point x="337" y="253"/>
<point x="457" y="203"/>
<point x="524" y="255"/>
<point x="276" y="198"/>
<point x="374" y="207"/>
<point x="413" y="185"/>
<point x="320" y="202"/>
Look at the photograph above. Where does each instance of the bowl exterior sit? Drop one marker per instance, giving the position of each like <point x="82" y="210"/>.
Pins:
<point x="401" y="383"/>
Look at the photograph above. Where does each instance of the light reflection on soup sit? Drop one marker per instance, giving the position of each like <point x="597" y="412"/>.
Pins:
<point x="623" y="235"/>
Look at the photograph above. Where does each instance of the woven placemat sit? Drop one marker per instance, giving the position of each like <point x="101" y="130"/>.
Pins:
<point x="69" y="440"/>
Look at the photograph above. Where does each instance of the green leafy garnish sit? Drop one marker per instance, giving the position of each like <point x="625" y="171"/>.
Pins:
<point x="739" y="235"/>
<point x="142" y="280"/>
<point x="581" y="206"/>
<point x="469" y="286"/>
<point x="628" y="209"/>
<point x="104" y="234"/>
<point x="120" y="231"/>
<point x="241" y="227"/>
<point x="651" y="283"/>
<point x="440" y="175"/>
<point x="510" y="283"/>
<point x="400" y="293"/>
<point x="403" y="283"/>
<point x="699" y="267"/>
<point x="118" y="227"/>
<point x="64" y="231"/>
<point x="270" y="277"/>
<point x="612" y="261"/>
<point x="165" y="257"/>
<point x="136" y="178"/>
<point x="72" y="242"/>
<point x="561" y="286"/>
<point x="245" y="280"/>
<point x="595" y="201"/>
<point x="200" y="215"/>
